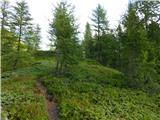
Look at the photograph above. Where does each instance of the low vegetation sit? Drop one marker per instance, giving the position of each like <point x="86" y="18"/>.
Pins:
<point x="21" y="100"/>
<point x="90" y="94"/>
<point x="20" y="97"/>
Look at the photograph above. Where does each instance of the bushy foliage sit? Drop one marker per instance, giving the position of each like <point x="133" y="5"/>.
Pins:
<point x="21" y="99"/>
<point x="63" y="32"/>
<point x="89" y="93"/>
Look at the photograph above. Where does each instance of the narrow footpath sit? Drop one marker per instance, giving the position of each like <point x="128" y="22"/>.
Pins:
<point x="51" y="105"/>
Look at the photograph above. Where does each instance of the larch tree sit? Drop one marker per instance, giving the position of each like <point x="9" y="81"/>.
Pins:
<point x="148" y="11"/>
<point x="131" y="49"/>
<point x="5" y="24"/>
<point x="37" y="37"/>
<point x="7" y="37"/>
<point x="21" y="19"/>
<point x="135" y="53"/>
<point x="29" y="38"/>
<point x="33" y="38"/>
<point x="4" y="17"/>
<point x="100" y="27"/>
<point x="88" y="42"/>
<point x="120" y="39"/>
<point x="63" y="31"/>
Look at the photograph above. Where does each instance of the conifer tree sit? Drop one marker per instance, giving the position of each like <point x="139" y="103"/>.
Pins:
<point x="4" y="17"/>
<point x="138" y="69"/>
<point x="131" y="46"/>
<point x="5" y="31"/>
<point x="88" y="42"/>
<point x="120" y="40"/>
<point x="33" y="38"/>
<point x="21" y="19"/>
<point x="63" y="31"/>
<point x="37" y="37"/>
<point x="100" y="25"/>
<point x="7" y="37"/>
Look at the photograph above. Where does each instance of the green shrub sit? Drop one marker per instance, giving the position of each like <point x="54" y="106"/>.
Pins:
<point x="88" y="93"/>
<point x="21" y="100"/>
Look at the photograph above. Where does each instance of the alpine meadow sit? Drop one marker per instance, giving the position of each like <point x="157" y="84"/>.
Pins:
<point x="107" y="74"/>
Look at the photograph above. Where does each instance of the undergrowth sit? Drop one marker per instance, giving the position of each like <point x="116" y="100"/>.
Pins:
<point x="94" y="92"/>
<point x="20" y="97"/>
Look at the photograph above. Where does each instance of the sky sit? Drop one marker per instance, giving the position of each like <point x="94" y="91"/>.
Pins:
<point x="42" y="13"/>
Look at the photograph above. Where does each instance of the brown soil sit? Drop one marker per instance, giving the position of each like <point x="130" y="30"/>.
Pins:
<point x="51" y="105"/>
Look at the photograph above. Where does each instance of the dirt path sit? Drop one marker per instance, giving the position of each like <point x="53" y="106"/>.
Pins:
<point x="51" y="105"/>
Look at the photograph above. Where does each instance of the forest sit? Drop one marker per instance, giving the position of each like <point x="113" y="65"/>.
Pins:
<point x="111" y="74"/>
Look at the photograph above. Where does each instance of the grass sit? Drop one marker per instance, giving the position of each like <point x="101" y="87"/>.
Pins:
<point x="90" y="92"/>
<point x="21" y="99"/>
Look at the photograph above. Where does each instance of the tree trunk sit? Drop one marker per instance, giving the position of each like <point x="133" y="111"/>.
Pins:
<point x="57" y="68"/>
<point x="18" y="48"/>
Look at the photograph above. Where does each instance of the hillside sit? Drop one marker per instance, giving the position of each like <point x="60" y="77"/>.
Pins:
<point x="88" y="93"/>
<point x="76" y="60"/>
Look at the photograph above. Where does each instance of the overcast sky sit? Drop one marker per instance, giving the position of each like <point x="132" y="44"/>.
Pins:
<point x="41" y="11"/>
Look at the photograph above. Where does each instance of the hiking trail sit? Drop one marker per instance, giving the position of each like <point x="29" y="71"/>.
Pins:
<point x="52" y="107"/>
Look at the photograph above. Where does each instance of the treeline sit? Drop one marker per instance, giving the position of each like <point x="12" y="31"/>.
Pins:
<point x="133" y="47"/>
<point x="20" y="38"/>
